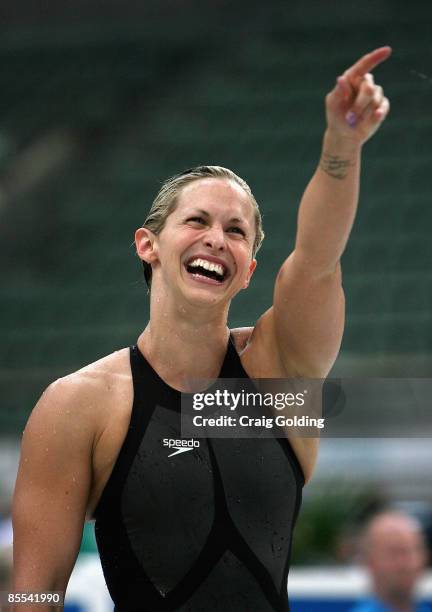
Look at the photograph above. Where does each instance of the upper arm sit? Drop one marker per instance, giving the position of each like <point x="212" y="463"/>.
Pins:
<point x="52" y="488"/>
<point x="309" y="315"/>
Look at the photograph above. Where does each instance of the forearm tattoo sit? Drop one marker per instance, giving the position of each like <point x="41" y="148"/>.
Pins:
<point x="335" y="166"/>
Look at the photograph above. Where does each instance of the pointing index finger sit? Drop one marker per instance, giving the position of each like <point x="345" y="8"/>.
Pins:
<point x="369" y="61"/>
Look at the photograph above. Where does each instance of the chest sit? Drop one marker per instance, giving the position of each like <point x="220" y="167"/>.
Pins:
<point x="182" y="493"/>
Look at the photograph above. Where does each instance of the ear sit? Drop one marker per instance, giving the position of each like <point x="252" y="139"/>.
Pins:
<point x="146" y="245"/>
<point x="252" y="266"/>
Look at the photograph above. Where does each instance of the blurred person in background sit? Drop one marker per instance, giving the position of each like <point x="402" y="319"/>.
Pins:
<point x="394" y="552"/>
<point x="6" y="538"/>
<point x="6" y="562"/>
<point x="209" y="529"/>
<point x="5" y="568"/>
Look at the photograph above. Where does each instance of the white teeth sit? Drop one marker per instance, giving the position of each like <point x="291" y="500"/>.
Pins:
<point x="212" y="267"/>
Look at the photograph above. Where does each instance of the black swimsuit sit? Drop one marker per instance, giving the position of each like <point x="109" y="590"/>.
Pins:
<point x="208" y="529"/>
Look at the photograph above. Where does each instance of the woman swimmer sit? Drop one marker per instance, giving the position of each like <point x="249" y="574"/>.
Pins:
<point x="181" y="526"/>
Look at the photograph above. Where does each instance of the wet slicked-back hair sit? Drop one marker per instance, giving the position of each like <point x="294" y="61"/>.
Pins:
<point x="167" y="198"/>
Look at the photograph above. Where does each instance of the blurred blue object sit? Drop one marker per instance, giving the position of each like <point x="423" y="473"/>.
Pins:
<point x="344" y="605"/>
<point x="321" y="605"/>
<point x="73" y="608"/>
<point x="373" y="605"/>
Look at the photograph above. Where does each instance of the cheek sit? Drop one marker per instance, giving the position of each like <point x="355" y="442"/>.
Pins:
<point x="247" y="256"/>
<point x="173" y="243"/>
<point x="183" y="238"/>
<point x="245" y="268"/>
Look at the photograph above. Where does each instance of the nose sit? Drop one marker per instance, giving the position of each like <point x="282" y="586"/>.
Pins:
<point x="215" y="238"/>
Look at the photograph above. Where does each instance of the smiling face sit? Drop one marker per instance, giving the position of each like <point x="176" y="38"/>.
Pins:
<point x="205" y="248"/>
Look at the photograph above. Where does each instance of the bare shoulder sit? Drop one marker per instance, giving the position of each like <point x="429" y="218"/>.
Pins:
<point x="260" y="359"/>
<point x="241" y="337"/>
<point x="100" y="374"/>
<point x="258" y="350"/>
<point x="84" y="396"/>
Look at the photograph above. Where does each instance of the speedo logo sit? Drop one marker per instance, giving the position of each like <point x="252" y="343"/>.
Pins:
<point x="181" y="446"/>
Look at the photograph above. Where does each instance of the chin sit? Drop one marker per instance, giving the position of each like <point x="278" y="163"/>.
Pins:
<point x="206" y="297"/>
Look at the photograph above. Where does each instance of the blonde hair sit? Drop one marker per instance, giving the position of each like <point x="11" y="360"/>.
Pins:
<point x="167" y="198"/>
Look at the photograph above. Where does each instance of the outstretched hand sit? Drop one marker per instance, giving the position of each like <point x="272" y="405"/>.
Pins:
<point x="356" y="107"/>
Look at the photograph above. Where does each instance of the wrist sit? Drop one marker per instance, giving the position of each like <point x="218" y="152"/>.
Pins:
<point x="336" y="143"/>
<point x="340" y="156"/>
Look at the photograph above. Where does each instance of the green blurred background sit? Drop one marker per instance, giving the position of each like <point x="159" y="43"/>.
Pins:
<point x="96" y="113"/>
<point x="101" y="101"/>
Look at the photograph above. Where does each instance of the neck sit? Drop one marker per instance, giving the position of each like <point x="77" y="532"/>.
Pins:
<point x="399" y="602"/>
<point x="184" y="341"/>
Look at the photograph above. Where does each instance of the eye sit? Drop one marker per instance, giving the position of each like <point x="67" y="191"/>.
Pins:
<point x="199" y="220"/>
<point x="237" y="230"/>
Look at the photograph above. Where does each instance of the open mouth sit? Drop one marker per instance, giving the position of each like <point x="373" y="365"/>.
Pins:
<point x="202" y="268"/>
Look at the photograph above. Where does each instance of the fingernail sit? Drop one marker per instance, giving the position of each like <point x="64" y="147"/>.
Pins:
<point x="351" y="118"/>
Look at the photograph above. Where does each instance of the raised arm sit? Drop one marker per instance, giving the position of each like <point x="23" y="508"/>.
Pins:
<point x="307" y="318"/>
<point x="51" y="491"/>
<point x="354" y="110"/>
